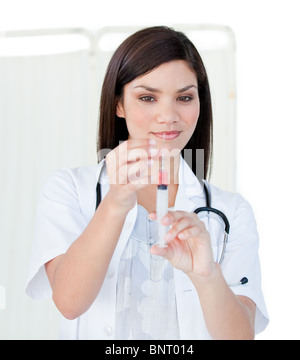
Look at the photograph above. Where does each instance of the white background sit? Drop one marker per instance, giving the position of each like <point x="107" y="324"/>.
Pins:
<point x="268" y="114"/>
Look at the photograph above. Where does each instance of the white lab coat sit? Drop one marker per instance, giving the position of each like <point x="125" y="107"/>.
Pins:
<point x="68" y="203"/>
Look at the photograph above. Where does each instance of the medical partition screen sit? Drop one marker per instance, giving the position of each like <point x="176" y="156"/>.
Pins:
<point x="44" y="110"/>
<point x="50" y="85"/>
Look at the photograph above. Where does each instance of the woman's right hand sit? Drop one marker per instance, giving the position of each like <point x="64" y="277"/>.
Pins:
<point x="84" y="266"/>
<point x="131" y="167"/>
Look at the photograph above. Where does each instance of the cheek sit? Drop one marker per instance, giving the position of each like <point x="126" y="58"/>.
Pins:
<point x="190" y="120"/>
<point x="137" y="123"/>
<point x="192" y="116"/>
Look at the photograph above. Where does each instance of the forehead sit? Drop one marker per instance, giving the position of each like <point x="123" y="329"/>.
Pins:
<point x="175" y="74"/>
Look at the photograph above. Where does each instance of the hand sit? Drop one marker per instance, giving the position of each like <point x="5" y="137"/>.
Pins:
<point x="189" y="246"/>
<point x="129" y="168"/>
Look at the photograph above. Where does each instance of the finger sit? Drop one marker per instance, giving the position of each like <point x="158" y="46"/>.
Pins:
<point x="165" y="252"/>
<point x="177" y="227"/>
<point x="140" y="153"/>
<point x="174" y="216"/>
<point x="139" y="147"/>
<point x="138" y="173"/>
<point x="134" y="151"/>
<point x="187" y="233"/>
<point x="152" y="215"/>
<point x="131" y="150"/>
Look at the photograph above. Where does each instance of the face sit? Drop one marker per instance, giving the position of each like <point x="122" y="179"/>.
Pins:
<point x="162" y="105"/>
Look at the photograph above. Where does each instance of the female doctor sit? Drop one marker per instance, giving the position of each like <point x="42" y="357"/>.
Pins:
<point x="102" y="268"/>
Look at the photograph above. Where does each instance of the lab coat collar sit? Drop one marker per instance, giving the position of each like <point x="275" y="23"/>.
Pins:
<point x="189" y="188"/>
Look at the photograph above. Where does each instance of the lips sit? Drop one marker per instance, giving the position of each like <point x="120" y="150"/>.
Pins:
<point x="167" y="135"/>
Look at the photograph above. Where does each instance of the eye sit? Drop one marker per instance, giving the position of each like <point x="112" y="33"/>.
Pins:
<point x="186" y="98"/>
<point x="147" y="98"/>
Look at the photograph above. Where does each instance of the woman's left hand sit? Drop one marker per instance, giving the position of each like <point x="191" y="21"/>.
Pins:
<point x="189" y="246"/>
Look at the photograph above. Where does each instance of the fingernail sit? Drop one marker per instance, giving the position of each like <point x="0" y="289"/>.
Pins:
<point x="152" y="142"/>
<point x="153" y="151"/>
<point x="152" y="216"/>
<point x="166" y="220"/>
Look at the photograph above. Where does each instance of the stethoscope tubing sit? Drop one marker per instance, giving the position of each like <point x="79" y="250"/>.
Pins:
<point x="206" y="208"/>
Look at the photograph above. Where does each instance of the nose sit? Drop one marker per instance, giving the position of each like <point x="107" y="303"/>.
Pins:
<point x="167" y="113"/>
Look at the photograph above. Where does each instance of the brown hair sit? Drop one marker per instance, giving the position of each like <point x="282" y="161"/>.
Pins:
<point x="137" y="55"/>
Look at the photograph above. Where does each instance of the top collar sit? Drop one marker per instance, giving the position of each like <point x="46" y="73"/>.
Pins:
<point x="188" y="181"/>
<point x="189" y="185"/>
<point x="190" y="189"/>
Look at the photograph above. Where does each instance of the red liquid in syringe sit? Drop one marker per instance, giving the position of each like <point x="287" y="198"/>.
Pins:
<point x="163" y="177"/>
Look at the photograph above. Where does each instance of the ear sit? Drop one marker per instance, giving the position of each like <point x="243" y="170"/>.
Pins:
<point x="120" y="109"/>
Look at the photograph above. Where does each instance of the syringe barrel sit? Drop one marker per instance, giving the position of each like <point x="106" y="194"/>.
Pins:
<point x="161" y="211"/>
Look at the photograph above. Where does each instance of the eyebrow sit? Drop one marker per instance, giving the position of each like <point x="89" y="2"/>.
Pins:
<point x="154" y="90"/>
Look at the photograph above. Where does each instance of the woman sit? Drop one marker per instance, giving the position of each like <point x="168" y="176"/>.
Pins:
<point x="104" y="272"/>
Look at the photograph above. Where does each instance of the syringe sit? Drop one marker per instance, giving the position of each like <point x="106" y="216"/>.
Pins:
<point x="162" y="200"/>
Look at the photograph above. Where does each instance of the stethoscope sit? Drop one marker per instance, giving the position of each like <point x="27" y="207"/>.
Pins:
<point x="208" y="208"/>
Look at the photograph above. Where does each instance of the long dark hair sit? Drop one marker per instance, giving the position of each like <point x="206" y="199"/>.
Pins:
<point x="137" y="55"/>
